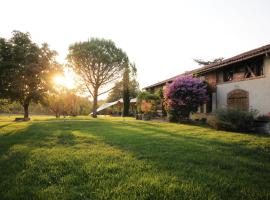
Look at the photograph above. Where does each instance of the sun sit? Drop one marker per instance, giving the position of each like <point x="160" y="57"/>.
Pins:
<point x="59" y="80"/>
<point x="66" y="80"/>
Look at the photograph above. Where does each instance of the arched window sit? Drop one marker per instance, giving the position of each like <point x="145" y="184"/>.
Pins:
<point x="238" y="99"/>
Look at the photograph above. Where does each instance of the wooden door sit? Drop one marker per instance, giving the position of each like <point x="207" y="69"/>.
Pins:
<point x="238" y="99"/>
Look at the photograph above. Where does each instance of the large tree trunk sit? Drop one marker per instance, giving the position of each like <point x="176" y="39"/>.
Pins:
<point x="95" y="100"/>
<point x="26" y="112"/>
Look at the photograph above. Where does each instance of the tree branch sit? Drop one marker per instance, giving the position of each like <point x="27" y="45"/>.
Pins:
<point x="106" y="91"/>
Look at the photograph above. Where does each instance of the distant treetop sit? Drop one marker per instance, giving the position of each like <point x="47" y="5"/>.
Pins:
<point x="208" y="62"/>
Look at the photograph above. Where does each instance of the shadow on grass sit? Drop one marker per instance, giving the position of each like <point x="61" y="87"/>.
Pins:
<point x="23" y="157"/>
<point x="5" y="125"/>
<point x="224" y="166"/>
<point x="218" y="168"/>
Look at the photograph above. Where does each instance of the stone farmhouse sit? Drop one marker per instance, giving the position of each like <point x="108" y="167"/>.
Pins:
<point x="242" y="81"/>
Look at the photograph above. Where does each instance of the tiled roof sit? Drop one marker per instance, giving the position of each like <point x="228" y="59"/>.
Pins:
<point x="241" y="57"/>
<point x="165" y="81"/>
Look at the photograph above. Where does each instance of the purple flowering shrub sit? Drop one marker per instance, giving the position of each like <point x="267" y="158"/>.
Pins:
<point x="184" y="95"/>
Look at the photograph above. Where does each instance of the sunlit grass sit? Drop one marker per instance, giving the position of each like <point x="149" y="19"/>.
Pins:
<point x="8" y="118"/>
<point x="106" y="158"/>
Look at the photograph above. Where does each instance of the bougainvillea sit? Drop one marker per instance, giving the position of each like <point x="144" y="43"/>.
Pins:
<point x="184" y="95"/>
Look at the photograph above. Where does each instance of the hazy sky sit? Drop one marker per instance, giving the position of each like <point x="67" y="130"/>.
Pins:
<point x="161" y="37"/>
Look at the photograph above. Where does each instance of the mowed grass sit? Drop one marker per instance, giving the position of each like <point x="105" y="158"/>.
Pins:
<point x="116" y="159"/>
<point x="8" y="118"/>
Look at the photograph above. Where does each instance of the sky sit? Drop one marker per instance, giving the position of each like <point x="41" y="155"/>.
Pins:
<point x="160" y="36"/>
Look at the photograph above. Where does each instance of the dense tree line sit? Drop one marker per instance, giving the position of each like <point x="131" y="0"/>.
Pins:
<point x="53" y="106"/>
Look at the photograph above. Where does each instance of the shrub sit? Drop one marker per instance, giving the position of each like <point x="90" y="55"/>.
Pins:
<point x="147" y="96"/>
<point x="147" y="102"/>
<point x="173" y="115"/>
<point x="212" y="121"/>
<point x="146" y="107"/>
<point x="265" y="118"/>
<point x="183" y="96"/>
<point x="233" y="120"/>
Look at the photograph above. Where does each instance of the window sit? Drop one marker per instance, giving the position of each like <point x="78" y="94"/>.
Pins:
<point x="228" y="75"/>
<point x="253" y="71"/>
<point x="244" y="70"/>
<point x="238" y="99"/>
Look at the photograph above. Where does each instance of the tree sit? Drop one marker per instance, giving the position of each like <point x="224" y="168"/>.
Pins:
<point x="208" y="62"/>
<point x="6" y="106"/>
<point x="65" y="101"/>
<point x="130" y="70"/>
<point x="127" y="88"/>
<point x="160" y="93"/>
<point x="55" y="104"/>
<point x="184" y="95"/>
<point x="117" y="92"/>
<point x="71" y="106"/>
<point x="5" y="66"/>
<point x="84" y="106"/>
<point x="56" y="100"/>
<point x="25" y="69"/>
<point x="99" y="63"/>
<point x="126" y="95"/>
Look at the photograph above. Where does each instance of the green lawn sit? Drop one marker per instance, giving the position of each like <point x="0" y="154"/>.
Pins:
<point x="6" y="118"/>
<point x="115" y="159"/>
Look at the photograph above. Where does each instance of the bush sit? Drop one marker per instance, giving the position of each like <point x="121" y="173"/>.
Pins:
<point x="233" y="120"/>
<point x="173" y="115"/>
<point x="183" y="96"/>
<point x="147" y="102"/>
<point x="146" y="107"/>
<point x="212" y="121"/>
<point x="265" y="118"/>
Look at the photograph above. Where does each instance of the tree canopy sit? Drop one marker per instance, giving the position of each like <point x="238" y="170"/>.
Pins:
<point x="99" y="63"/>
<point x="67" y="102"/>
<point x="129" y="71"/>
<point x="25" y="69"/>
<point x="208" y="62"/>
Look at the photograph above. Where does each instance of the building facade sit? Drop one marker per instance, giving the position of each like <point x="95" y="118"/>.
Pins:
<point x="242" y="81"/>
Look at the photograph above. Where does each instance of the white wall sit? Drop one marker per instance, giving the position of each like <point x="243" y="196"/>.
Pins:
<point x="258" y="89"/>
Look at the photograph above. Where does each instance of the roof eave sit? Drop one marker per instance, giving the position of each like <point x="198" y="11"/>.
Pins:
<point x="208" y="68"/>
